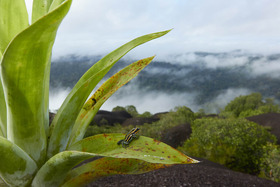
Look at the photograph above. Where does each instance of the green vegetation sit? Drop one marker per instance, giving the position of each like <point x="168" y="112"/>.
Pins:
<point x="132" y="111"/>
<point x="270" y="164"/>
<point x="249" y="105"/>
<point x="155" y="130"/>
<point x="175" y="117"/>
<point x="235" y="143"/>
<point x="32" y="153"/>
<point x="117" y="128"/>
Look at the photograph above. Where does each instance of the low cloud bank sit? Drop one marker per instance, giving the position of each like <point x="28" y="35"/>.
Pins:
<point x="213" y="78"/>
<point x="153" y="101"/>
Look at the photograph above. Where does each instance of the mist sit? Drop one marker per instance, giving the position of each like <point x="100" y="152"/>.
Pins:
<point x="198" y="80"/>
<point x="155" y="102"/>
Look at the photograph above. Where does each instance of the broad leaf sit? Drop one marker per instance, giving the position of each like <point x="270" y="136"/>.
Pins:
<point x="102" y="94"/>
<point x="3" y="112"/>
<point x="64" y="120"/>
<point x="42" y="7"/>
<point x="13" y="19"/>
<point x="55" y="4"/>
<point x="54" y="171"/>
<point x="25" y="68"/>
<point x="107" y="166"/>
<point x="16" y="167"/>
<point x="144" y="148"/>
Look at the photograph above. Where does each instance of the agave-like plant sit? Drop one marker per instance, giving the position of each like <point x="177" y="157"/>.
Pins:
<point x="32" y="153"/>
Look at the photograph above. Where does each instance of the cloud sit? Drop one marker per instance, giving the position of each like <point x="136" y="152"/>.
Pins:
<point x="57" y="96"/>
<point x="98" y="27"/>
<point x="264" y="66"/>
<point x="223" y="99"/>
<point x="152" y="101"/>
<point x="211" y="60"/>
<point x="155" y="101"/>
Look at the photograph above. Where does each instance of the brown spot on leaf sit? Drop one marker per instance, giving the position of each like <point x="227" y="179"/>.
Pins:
<point x="156" y="141"/>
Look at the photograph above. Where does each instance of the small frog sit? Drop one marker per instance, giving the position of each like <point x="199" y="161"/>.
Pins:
<point x="131" y="135"/>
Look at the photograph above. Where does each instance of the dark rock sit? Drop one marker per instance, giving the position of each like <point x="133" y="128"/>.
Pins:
<point x="51" y="117"/>
<point x="110" y="118"/>
<point x="204" y="173"/>
<point x="271" y="120"/>
<point x="177" y="135"/>
<point x="138" y="121"/>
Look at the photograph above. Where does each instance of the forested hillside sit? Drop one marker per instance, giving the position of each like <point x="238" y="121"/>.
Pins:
<point x="206" y="74"/>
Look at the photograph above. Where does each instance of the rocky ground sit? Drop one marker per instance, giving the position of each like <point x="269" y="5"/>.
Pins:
<point x="205" y="173"/>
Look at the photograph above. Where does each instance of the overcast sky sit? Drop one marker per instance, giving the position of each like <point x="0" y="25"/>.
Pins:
<point x="99" y="26"/>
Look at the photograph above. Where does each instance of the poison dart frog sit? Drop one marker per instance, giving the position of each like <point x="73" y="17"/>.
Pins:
<point x="131" y="135"/>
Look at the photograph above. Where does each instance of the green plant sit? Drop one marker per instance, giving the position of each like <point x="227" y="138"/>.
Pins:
<point x="235" y="143"/>
<point x="31" y="152"/>
<point x="178" y="116"/>
<point x="132" y="111"/>
<point x="249" y="105"/>
<point x="270" y="163"/>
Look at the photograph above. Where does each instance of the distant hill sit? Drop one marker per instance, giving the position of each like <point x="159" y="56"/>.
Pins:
<point x="207" y="74"/>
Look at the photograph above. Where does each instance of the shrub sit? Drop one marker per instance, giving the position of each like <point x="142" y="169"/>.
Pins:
<point x="178" y="116"/>
<point x="270" y="163"/>
<point x="249" y="105"/>
<point x="132" y="111"/>
<point x="117" y="128"/>
<point x="155" y="130"/>
<point x="235" y="143"/>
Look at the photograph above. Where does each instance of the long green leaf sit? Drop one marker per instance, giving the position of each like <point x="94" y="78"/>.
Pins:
<point x="3" y="112"/>
<point x="144" y="148"/>
<point x="102" y="94"/>
<point x="106" y="166"/>
<point x="42" y="7"/>
<point x="25" y="74"/>
<point x="13" y="19"/>
<point x="16" y="167"/>
<point x="64" y="120"/>
<point x="54" y="171"/>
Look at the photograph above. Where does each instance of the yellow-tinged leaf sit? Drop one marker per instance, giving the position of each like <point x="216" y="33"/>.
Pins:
<point x="143" y="148"/>
<point x="54" y="171"/>
<point x="102" y="94"/>
<point x="107" y="166"/>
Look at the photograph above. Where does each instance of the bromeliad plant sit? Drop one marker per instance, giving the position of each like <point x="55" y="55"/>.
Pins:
<point x="31" y="152"/>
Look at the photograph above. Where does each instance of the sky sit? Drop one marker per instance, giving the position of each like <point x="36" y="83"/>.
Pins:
<point x="95" y="27"/>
